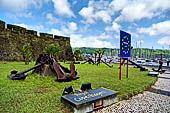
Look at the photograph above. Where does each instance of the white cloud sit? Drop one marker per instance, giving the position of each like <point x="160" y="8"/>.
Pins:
<point x="25" y="15"/>
<point x="62" y="7"/>
<point x="136" y="11"/>
<point x="78" y="40"/>
<point x="117" y="36"/>
<point x="104" y="36"/>
<point x="130" y="10"/>
<point x="164" y="41"/>
<point x="56" y="32"/>
<point x="115" y="27"/>
<point x="136" y="35"/>
<point x="84" y="28"/>
<point x="139" y="9"/>
<point x="51" y="19"/>
<point x="20" y="5"/>
<point x="36" y="27"/>
<point x="117" y="5"/>
<point x="15" y="15"/>
<point x="99" y="4"/>
<point x="32" y="27"/>
<point x="22" y="25"/>
<point x="72" y="26"/>
<point x="96" y="10"/>
<point x="65" y="30"/>
<point x="156" y="29"/>
<point x="88" y="14"/>
<point x="104" y="15"/>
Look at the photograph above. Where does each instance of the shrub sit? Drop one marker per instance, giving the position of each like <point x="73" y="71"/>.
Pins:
<point x="27" y="52"/>
<point x="52" y="50"/>
<point x="78" y="55"/>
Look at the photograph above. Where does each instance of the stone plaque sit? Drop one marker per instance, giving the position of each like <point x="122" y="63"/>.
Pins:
<point x="153" y="73"/>
<point x="90" y="100"/>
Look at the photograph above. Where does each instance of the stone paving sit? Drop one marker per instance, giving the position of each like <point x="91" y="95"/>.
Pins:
<point x="156" y="100"/>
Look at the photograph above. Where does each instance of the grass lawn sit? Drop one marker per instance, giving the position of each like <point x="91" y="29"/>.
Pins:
<point x="42" y="94"/>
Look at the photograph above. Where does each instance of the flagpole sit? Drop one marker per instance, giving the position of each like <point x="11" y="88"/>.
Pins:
<point x="120" y="70"/>
<point x="127" y="69"/>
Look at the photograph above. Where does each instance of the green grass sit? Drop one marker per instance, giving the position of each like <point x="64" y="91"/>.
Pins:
<point x="42" y="94"/>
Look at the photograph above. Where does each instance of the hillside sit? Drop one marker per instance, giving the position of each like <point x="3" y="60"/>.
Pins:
<point x="138" y="52"/>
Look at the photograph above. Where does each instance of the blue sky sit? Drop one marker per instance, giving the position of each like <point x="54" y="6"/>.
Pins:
<point x="94" y="23"/>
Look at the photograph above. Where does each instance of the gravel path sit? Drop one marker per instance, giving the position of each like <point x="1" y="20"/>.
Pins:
<point x="156" y="100"/>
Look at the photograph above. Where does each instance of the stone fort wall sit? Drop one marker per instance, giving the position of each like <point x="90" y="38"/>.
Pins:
<point x="12" y="39"/>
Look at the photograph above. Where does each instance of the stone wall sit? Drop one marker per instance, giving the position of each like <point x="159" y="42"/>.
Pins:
<point x="14" y="37"/>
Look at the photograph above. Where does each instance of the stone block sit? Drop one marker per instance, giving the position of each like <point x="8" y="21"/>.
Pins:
<point x="31" y="32"/>
<point x="16" y="28"/>
<point x="2" y="25"/>
<point x="47" y="70"/>
<point x="21" y="29"/>
<point x="10" y="26"/>
<point x="46" y="35"/>
<point x="153" y="74"/>
<point x="58" y="37"/>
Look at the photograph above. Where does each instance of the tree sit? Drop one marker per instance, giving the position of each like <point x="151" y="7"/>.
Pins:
<point x="78" y="55"/>
<point x="27" y="52"/>
<point x="100" y="51"/>
<point x="52" y="50"/>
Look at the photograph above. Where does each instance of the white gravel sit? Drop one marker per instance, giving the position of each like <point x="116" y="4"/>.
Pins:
<point x="156" y="100"/>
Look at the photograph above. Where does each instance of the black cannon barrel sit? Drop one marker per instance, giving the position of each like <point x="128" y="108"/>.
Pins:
<point x="29" y="69"/>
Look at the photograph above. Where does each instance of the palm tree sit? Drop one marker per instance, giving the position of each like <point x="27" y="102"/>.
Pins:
<point x="100" y="55"/>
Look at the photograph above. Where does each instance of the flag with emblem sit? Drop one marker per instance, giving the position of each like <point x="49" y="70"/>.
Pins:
<point x="125" y="44"/>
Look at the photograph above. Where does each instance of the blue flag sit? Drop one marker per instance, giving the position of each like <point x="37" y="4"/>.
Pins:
<point x="125" y="44"/>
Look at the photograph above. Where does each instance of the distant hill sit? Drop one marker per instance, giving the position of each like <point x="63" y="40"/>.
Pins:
<point x="107" y="51"/>
<point x="138" y="52"/>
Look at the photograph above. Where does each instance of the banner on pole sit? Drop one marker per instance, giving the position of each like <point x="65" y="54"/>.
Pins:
<point x="125" y="44"/>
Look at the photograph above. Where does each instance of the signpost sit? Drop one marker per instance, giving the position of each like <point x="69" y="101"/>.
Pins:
<point x="125" y="49"/>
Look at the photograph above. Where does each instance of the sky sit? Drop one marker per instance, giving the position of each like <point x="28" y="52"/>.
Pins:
<point x="94" y="23"/>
